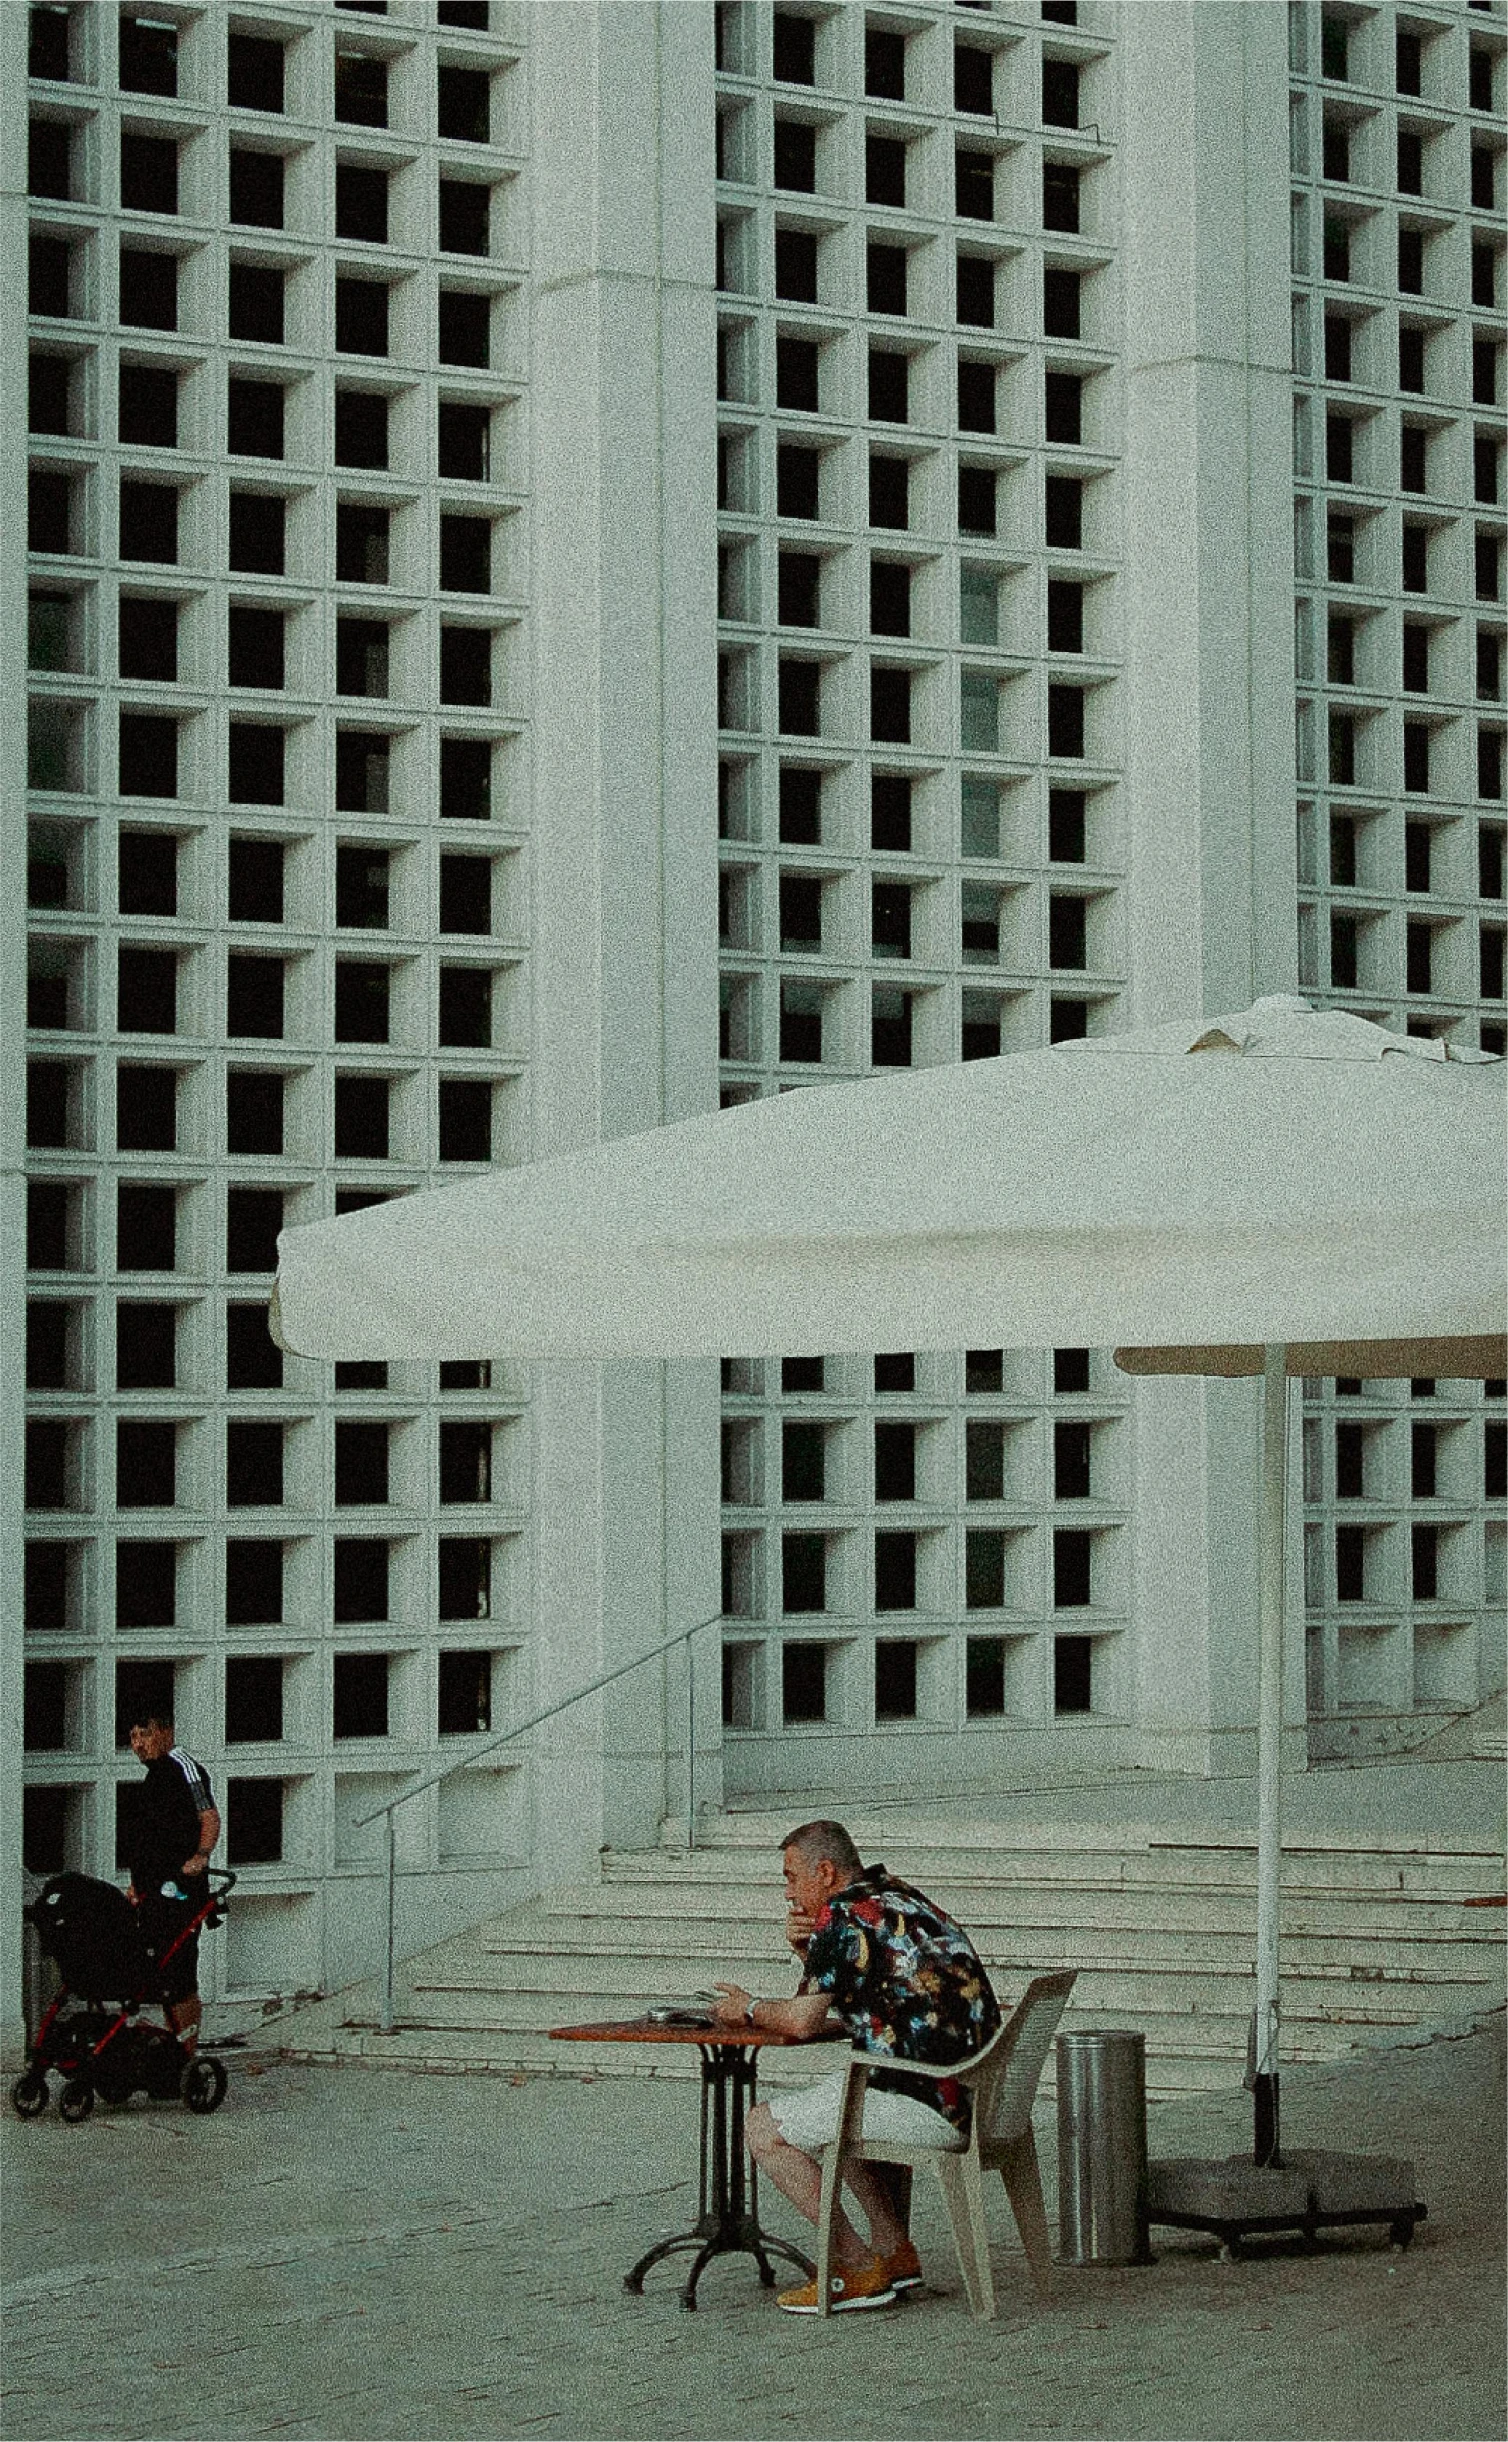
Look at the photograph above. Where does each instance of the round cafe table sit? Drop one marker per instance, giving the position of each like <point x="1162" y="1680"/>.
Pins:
<point x="727" y="2221"/>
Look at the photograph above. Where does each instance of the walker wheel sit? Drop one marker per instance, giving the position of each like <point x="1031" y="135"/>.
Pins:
<point x="28" y="2096"/>
<point x="76" y="2100"/>
<point x="202" y="2085"/>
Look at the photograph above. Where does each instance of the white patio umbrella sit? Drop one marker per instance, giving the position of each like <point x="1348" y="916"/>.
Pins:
<point x="1279" y="1191"/>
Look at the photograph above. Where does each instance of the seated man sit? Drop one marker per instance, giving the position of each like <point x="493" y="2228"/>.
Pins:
<point x="907" y="1984"/>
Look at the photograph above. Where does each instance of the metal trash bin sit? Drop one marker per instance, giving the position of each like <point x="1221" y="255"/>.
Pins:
<point x="1102" y="2147"/>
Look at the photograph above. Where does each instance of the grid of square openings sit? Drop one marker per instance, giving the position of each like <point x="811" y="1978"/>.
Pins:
<point x="1399" y="337"/>
<point x="934" y="1539"/>
<point x="265" y="981"/>
<point x="917" y="790"/>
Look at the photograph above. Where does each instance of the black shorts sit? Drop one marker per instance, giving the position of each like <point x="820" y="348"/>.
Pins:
<point x="162" y="1922"/>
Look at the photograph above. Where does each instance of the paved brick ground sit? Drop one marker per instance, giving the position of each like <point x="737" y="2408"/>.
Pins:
<point x="348" y="2254"/>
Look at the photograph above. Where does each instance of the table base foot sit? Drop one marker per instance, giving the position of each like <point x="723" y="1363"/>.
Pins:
<point x="743" y="2239"/>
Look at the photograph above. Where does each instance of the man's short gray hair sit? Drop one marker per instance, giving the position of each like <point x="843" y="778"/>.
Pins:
<point x="814" y="1841"/>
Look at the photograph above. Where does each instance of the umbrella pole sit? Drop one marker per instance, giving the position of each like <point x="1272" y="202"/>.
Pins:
<point x="1270" y="1603"/>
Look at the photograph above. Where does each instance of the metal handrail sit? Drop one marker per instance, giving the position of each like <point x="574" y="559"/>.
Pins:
<point x="432" y="1780"/>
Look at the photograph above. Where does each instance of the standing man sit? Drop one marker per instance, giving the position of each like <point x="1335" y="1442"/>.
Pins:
<point x="173" y="1828"/>
<point x="906" y="1983"/>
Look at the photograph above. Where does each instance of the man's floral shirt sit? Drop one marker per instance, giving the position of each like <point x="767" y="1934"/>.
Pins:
<point x="907" y="1983"/>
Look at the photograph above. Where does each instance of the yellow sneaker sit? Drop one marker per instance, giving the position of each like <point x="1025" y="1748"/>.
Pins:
<point x="856" y="2285"/>
<point x="904" y="2266"/>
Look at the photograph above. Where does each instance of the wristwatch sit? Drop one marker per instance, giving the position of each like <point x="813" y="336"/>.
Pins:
<point x="749" y="2011"/>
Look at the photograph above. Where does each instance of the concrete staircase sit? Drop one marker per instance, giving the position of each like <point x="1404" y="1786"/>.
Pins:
<point x="1378" y="1942"/>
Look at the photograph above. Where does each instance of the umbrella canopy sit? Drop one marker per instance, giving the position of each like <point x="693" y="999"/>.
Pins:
<point x="1283" y="1175"/>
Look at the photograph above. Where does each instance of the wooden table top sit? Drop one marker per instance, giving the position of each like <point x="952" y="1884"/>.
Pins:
<point x="645" y="2030"/>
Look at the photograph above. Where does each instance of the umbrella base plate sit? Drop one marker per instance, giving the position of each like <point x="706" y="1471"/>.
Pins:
<point x="1236" y="2198"/>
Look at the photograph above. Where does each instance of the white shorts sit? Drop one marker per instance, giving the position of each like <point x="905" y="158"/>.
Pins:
<point x="808" y="2119"/>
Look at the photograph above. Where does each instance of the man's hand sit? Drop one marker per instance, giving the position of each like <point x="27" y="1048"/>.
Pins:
<point x="194" y="1865"/>
<point x="733" y="2006"/>
<point x="799" y="1928"/>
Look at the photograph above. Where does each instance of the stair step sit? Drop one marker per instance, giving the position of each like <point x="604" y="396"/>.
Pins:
<point x="1320" y="1872"/>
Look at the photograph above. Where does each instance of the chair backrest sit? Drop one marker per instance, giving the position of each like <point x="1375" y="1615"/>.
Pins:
<point x="1010" y="2070"/>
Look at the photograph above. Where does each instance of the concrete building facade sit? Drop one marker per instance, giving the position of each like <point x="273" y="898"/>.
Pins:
<point x="573" y="559"/>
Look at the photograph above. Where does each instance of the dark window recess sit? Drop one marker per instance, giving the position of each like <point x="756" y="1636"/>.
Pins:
<point x="465" y="1119"/>
<point x="974" y="185"/>
<point x="1065" y="721"/>
<point x="147" y="629"/>
<point x="361" y="203"/>
<point x="796" y="374"/>
<point x="361" y="657"/>
<point x="45" y="1708"/>
<point x="894" y="1462"/>
<point x="255" y="305"/>
<point x="146" y="1228"/>
<point x="1072" y="1551"/>
<point x="803" y="1667"/>
<point x="49" y="160"/>
<point x="467" y="1007"/>
<point x="889" y="492"/>
<point x="465" y="1693"/>
<point x="51" y="394"/>
<point x="885" y="64"/>
<point x="253" y="1218"/>
<point x="1484" y="179"/>
<point x="360" y="1695"/>
<point x="1424" y="1556"/>
<point x="890" y="812"/>
<point x="360" y="89"/>
<point x="361" y="1465"/>
<point x="1490" y="957"/>
<point x="361" y="317"/>
<point x="257" y="880"/>
<point x="976" y="397"/>
<point x="361" y="1001"/>
<point x="984" y="1568"/>
<point x="465" y="212"/>
<point x="255" y="647"/>
<point x="253" y="1699"/>
<point x="146" y="1347"/>
<point x="1484" y="273"/>
<point x="465" y="441"/>
<point x="1416" y="658"/>
<point x="48" y="1334"/>
<point x="1337" y="348"/>
<point x="52" y="1208"/>
<point x="257" y="523"/>
<point x="463" y="100"/>
<point x="894" y="1678"/>
<point x="1072" y="1446"/>
<point x="1487" y="458"/>
<point x="1417" y="856"/>
<point x="802" y="1374"/>
<point x="1490" y="861"/>
<point x="254" y="1111"/>
<point x="800" y="1023"/>
<point x="148" y="56"/>
<point x="49" y="1473"/>
<point x="984" y="1676"/>
<point x="466" y="555"/>
<point x="889" y="599"/>
<point x="361" y="543"/>
<point x="1060" y="195"/>
<point x="894" y="1370"/>
<point x="799" y="584"/>
<point x="1416" y="739"/>
<point x="1413" y="459"/>
<point x="148" y="289"/>
<point x="465" y="779"/>
<point x="362" y="1118"/>
<point x="796" y="266"/>
<point x="253" y="1359"/>
<point x="1419" y="957"/>
<point x="886" y="279"/>
<point x="1061" y="303"/>
<point x="146" y="1585"/>
<point x="361" y="888"/>
<point x="147" y="873"/>
<point x="465" y="1578"/>
<point x="253" y="1822"/>
<point x="361" y="428"/>
<point x="146" y="1464"/>
<point x="973" y="79"/>
<point x="1350" y="1564"/>
<point x="1410" y="262"/>
<point x="1060" y="93"/>
<point x="1070" y="1371"/>
<point x="1494" y="1461"/>
<point x="799" y="818"/>
<point x="1063" y="521"/>
<point x="984" y="1461"/>
<point x="975" y="291"/>
<point x="1484" y="372"/>
<point x="146" y="1109"/>
<point x="885" y="170"/>
<point x="800" y="912"/>
<point x="1343" y="952"/>
<point x="1066" y="930"/>
<point x="49" y="505"/>
<point x="976" y="499"/>
<point x="1415" y="559"/>
<point x="147" y="991"/>
<point x="465" y="1461"/>
<point x="1065" y="619"/>
<point x="254" y="419"/>
<point x="890" y="704"/>
<point x="147" y="409"/>
<point x="795" y="156"/>
<point x="1410" y="161"/>
<point x="465" y="665"/>
<point x="256" y="763"/>
<point x="800" y="693"/>
<point x="1335" y="151"/>
<point x="796" y="481"/>
<point x="254" y="996"/>
<point x="1410" y="360"/>
<point x="1073" y="1674"/>
<point x="253" y="72"/>
<point x="47" y="55"/>
<point x="148" y="174"/>
<point x="793" y="50"/>
<point x="803" y="1462"/>
<point x="256" y="188"/>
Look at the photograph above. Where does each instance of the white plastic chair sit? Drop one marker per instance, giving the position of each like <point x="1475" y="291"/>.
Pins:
<point x="1003" y="2080"/>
